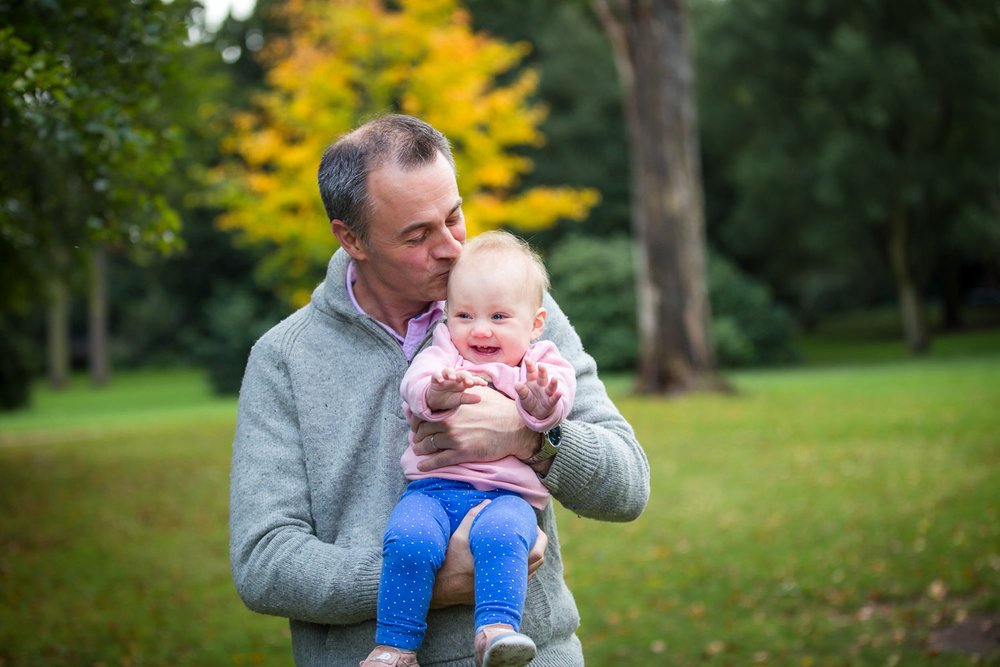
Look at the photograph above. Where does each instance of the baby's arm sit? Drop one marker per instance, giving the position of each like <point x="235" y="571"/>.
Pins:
<point x="446" y="390"/>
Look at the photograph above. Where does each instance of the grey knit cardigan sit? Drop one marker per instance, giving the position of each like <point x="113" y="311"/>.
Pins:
<point x="315" y="473"/>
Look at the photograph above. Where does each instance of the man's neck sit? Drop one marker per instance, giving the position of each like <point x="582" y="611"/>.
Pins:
<point x="386" y="310"/>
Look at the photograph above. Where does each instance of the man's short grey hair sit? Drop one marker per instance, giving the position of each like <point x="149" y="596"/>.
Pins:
<point x="343" y="172"/>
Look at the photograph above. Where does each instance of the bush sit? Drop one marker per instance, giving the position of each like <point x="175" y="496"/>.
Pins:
<point x="749" y="327"/>
<point x="15" y="368"/>
<point x="235" y="319"/>
<point x="593" y="280"/>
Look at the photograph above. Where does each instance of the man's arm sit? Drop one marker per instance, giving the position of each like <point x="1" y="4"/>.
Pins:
<point x="279" y="566"/>
<point x="600" y="471"/>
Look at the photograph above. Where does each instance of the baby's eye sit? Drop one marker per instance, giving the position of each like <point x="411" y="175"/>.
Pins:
<point x="463" y="316"/>
<point x="498" y="316"/>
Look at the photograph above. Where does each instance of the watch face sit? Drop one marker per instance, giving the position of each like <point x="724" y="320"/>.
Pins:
<point x="554" y="436"/>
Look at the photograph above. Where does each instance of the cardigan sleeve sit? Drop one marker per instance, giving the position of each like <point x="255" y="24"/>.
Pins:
<point x="279" y="565"/>
<point x="601" y="471"/>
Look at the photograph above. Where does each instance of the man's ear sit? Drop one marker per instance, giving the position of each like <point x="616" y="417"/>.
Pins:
<point x="348" y="240"/>
<point x="538" y="326"/>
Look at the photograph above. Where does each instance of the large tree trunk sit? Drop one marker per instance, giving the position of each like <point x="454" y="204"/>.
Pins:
<point x="650" y="42"/>
<point x="57" y="324"/>
<point x="911" y="306"/>
<point x="98" y="318"/>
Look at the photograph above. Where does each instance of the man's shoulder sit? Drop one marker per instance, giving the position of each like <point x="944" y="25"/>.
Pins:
<point x="280" y="335"/>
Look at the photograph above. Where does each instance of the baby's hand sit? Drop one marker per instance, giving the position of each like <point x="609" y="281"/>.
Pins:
<point x="447" y="389"/>
<point x="539" y="393"/>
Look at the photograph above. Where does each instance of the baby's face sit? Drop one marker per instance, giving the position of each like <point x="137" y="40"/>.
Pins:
<point x="492" y="313"/>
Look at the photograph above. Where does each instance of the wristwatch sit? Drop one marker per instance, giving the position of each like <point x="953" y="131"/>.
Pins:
<point x="550" y="446"/>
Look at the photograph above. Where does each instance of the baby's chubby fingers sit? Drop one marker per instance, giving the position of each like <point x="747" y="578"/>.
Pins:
<point x="522" y="391"/>
<point x="530" y="370"/>
<point x="543" y="375"/>
<point x="469" y="380"/>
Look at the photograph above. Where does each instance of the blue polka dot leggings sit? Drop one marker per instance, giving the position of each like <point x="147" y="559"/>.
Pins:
<point x="414" y="547"/>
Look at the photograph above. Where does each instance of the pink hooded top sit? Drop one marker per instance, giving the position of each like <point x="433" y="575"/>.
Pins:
<point x="508" y="473"/>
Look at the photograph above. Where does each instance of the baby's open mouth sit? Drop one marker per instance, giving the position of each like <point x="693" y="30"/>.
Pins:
<point x="484" y="350"/>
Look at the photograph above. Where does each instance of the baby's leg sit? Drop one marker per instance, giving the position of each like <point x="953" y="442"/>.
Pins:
<point x="413" y="550"/>
<point x="500" y="539"/>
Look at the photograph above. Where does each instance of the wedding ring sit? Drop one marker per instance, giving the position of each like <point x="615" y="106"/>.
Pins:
<point x="433" y="445"/>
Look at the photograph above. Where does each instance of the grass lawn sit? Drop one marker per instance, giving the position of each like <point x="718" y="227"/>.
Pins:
<point x="846" y="512"/>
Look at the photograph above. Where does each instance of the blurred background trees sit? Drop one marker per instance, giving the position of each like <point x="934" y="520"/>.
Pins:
<point x="849" y="160"/>
<point x="852" y="151"/>
<point x="87" y="143"/>
<point x="341" y="63"/>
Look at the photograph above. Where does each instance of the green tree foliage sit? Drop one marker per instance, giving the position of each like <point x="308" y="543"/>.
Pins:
<point x="850" y="147"/>
<point x="83" y="138"/>
<point x="199" y="304"/>
<point x="85" y="143"/>
<point x="585" y="143"/>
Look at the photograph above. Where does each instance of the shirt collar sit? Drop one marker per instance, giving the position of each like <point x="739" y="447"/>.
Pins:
<point x="416" y="328"/>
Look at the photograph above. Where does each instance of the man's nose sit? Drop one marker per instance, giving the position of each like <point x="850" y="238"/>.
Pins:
<point x="448" y="247"/>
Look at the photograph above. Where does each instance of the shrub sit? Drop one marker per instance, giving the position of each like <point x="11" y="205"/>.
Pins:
<point x="593" y="280"/>
<point x="15" y="368"/>
<point x="235" y="319"/>
<point x="749" y="327"/>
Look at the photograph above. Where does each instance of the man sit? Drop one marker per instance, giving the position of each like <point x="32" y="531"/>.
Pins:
<point x="320" y="429"/>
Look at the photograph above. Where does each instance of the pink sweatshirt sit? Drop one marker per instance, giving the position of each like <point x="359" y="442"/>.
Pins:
<point x="508" y="473"/>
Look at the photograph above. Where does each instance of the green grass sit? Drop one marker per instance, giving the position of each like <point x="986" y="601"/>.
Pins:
<point x="832" y="514"/>
<point x="113" y="510"/>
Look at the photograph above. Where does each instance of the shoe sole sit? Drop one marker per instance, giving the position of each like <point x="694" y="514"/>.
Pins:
<point x="510" y="652"/>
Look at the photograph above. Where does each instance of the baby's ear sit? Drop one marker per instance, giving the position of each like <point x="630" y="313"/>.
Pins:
<point x="538" y="326"/>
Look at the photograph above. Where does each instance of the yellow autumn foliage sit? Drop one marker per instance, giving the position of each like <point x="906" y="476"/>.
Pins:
<point x="347" y="60"/>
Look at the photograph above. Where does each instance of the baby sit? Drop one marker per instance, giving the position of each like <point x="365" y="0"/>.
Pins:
<point x="495" y="312"/>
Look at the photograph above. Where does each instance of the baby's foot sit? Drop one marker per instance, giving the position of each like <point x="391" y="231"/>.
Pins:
<point x="388" y="655"/>
<point x="499" y="645"/>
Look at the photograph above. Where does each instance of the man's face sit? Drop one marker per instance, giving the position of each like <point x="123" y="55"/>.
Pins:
<point x="416" y="233"/>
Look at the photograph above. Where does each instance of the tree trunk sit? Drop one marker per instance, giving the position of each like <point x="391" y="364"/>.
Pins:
<point x="57" y="324"/>
<point x="911" y="306"/>
<point x="98" y="318"/>
<point x="653" y="56"/>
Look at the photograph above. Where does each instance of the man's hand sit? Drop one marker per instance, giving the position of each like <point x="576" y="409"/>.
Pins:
<point x="456" y="581"/>
<point x="539" y="393"/>
<point x="487" y="430"/>
<point x="448" y="386"/>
